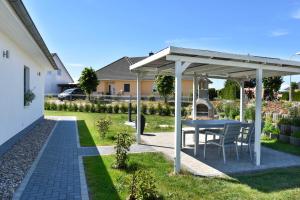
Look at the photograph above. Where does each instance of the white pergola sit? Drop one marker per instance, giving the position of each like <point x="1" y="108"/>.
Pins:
<point x="195" y="63"/>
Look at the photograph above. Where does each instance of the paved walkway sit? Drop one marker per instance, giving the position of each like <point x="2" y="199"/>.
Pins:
<point x="58" y="171"/>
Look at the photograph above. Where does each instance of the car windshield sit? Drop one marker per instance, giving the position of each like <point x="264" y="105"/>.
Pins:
<point x="69" y="91"/>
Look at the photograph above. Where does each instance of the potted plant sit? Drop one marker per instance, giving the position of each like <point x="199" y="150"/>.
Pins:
<point x="285" y="126"/>
<point x="295" y="127"/>
<point x="271" y="130"/>
<point x="295" y="138"/>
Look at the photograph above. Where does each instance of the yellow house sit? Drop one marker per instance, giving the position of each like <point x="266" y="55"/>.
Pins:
<point x="116" y="79"/>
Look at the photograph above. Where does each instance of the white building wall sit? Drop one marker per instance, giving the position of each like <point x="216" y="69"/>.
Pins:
<point x="14" y="116"/>
<point x="55" y="77"/>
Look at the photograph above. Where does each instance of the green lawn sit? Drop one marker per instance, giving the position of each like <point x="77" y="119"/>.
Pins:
<point x="107" y="183"/>
<point x="90" y="137"/>
<point x="281" y="146"/>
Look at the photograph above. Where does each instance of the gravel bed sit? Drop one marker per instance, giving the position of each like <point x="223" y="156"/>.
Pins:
<point x="15" y="163"/>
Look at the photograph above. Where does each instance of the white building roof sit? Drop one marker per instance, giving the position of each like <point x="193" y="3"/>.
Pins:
<point x="215" y="64"/>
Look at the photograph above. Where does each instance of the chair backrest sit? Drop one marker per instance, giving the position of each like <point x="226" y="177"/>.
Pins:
<point x="231" y="132"/>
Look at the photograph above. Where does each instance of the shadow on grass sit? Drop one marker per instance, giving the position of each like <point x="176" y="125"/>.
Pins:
<point x="272" y="180"/>
<point x="99" y="181"/>
<point x="281" y="146"/>
<point x="85" y="135"/>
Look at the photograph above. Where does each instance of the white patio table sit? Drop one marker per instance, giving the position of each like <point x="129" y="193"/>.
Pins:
<point x="205" y="124"/>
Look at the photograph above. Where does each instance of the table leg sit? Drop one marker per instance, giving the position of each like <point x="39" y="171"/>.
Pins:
<point x="196" y="140"/>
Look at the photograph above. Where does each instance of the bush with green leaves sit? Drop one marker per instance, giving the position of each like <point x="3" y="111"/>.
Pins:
<point x="116" y="108"/>
<point x="166" y="110"/>
<point x="269" y="127"/>
<point x="53" y="106"/>
<point x="81" y="108"/>
<point x="93" y="108"/>
<point x="144" y="109"/>
<point x="103" y="125"/>
<point x="123" y="142"/>
<point x="296" y="134"/>
<point x="87" y="107"/>
<point x="159" y="109"/>
<point x="75" y="107"/>
<point x="143" y="186"/>
<point x="133" y="108"/>
<point x="109" y="109"/>
<point x="123" y="108"/>
<point x="152" y="110"/>
<point x="250" y="113"/>
<point x="184" y="112"/>
<point x="47" y="105"/>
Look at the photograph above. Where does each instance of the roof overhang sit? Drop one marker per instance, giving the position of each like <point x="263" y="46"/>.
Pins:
<point x="18" y="26"/>
<point x="215" y="64"/>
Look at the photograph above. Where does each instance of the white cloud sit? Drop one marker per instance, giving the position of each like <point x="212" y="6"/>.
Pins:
<point x="296" y="14"/>
<point x="278" y="33"/>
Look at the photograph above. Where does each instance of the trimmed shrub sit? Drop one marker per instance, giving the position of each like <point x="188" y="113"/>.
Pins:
<point x="116" y="108"/>
<point x="159" y="109"/>
<point x="152" y="110"/>
<point x="296" y="134"/>
<point x="87" y="108"/>
<point x="70" y="107"/>
<point x="133" y="108"/>
<point x="64" y="106"/>
<point x="123" y="143"/>
<point x="47" y="105"/>
<point x="75" y="107"/>
<point x="123" y="108"/>
<point x="144" y="109"/>
<point x="60" y="107"/>
<point x="143" y="186"/>
<point x="103" y="126"/>
<point x="109" y="109"/>
<point x="93" y="108"/>
<point x="184" y="112"/>
<point x="166" y="110"/>
<point x="81" y="108"/>
<point x="53" y="106"/>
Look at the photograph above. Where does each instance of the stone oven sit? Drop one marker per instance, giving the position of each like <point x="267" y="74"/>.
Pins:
<point x="203" y="106"/>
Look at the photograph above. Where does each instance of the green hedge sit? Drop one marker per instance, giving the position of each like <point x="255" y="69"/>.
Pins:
<point x="163" y="110"/>
<point x="296" y="96"/>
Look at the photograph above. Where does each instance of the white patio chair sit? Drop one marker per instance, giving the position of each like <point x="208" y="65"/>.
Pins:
<point x="248" y="137"/>
<point x="227" y="138"/>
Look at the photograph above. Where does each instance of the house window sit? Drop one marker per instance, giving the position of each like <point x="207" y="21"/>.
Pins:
<point x="126" y="87"/>
<point x="26" y="80"/>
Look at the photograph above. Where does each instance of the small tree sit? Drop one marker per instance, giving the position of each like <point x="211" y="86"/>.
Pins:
<point x="165" y="86"/>
<point x="103" y="126"/>
<point x="143" y="186"/>
<point x="88" y="81"/>
<point x="272" y="85"/>
<point x="123" y="143"/>
<point x="231" y="90"/>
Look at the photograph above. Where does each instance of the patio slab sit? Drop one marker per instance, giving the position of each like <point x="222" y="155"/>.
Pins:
<point x="213" y="164"/>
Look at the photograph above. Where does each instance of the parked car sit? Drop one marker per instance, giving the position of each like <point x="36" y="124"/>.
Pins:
<point x="71" y="94"/>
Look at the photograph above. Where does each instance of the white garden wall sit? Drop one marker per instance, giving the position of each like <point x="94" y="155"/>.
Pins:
<point x="14" y="116"/>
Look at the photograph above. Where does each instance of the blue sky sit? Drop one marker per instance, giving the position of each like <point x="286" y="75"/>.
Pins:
<point x="96" y="32"/>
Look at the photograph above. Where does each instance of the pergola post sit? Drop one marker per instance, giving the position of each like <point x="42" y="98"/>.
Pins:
<point x="195" y="88"/>
<point x="258" y="105"/>
<point x="138" y="108"/>
<point x="179" y="69"/>
<point x="242" y="101"/>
